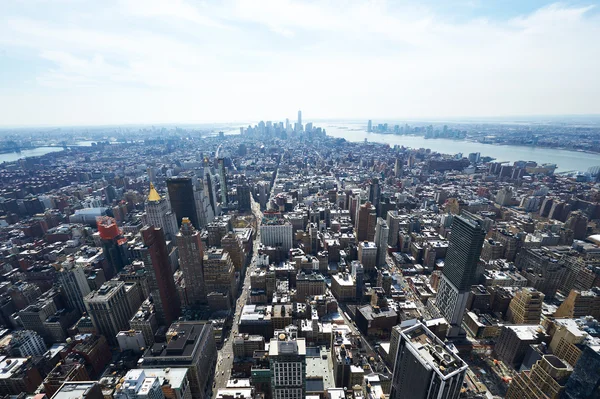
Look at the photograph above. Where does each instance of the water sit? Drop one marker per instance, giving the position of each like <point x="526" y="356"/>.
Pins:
<point x="564" y="159"/>
<point x="36" y="152"/>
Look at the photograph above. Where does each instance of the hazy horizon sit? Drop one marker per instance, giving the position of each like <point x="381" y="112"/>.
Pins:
<point x="144" y="62"/>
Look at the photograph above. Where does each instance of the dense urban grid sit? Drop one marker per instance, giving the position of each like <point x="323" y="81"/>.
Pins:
<point x="280" y="263"/>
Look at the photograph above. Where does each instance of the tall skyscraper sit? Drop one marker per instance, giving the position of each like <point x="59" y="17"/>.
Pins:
<point x="114" y="245"/>
<point x="160" y="279"/>
<point x="365" y="222"/>
<point x="191" y="255"/>
<point x="74" y="284"/>
<point x="375" y="192"/>
<point x="243" y="197"/>
<point x="425" y="367"/>
<point x="460" y="266"/>
<point x="223" y="181"/>
<point x="382" y="232"/>
<point x="393" y="222"/>
<point x="546" y="379"/>
<point x="300" y="118"/>
<point x="370" y="126"/>
<point x="189" y="345"/>
<point x="158" y="213"/>
<point x="109" y="309"/>
<point x="203" y="203"/>
<point x="287" y="357"/>
<point x="219" y="273"/>
<point x="181" y="196"/>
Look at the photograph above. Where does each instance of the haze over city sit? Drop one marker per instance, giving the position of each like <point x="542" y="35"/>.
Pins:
<point x="292" y="199"/>
<point x="78" y="62"/>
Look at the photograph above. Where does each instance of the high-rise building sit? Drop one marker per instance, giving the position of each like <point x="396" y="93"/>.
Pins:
<point x="393" y="222"/>
<point x="191" y="255"/>
<point x="546" y="379"/>
<point x="114" y="245"/>
<point x="367" y="255"/>
<point x="276" y="232"/>
<point x="26" y="343"/>
<point x="287" y="358"/>
<point x="232" y="244"/>
<point x="375" y="192"/>
<point x="158" y="213"/>
<point x="181" y="197"/>
<point x="370" y="126"/>
<point x="74" y="284"/>
<point x="109" y="309"/>
<point x="160" y="279"/>
<point x="243" y="197"/>
<point x="219" y="273"/>
<point x="204" y="207"/>
<point x="366" y="219"/>
<point x="223" y="181"/>
<point x="300" y="118"/>
<point x="526" y="306"/>
<point x="459" y="272"/>
<point x="382" y="233"/>
<point x="584" y="382"/>
<point x="425" y="367"/>
<point x="189" y="345"/>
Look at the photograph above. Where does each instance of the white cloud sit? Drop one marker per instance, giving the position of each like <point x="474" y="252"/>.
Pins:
<point x="177" y="61"/>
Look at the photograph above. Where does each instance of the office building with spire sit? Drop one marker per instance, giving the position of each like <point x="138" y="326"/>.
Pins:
<point x="191" y="256"/>
<point x="459" y="273"/>
<point x="158" y="213"/>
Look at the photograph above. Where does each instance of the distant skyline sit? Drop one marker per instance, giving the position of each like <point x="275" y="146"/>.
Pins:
<point x="83" y="62"/>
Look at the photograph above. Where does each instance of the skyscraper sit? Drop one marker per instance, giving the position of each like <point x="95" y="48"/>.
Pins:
<point x="109" y="309"/>
<point x="460" y="266"/>
<point x="74" y="284"/>
<point x="546" y="379"/>
<point x="219" y="273"/>
<point x="223" y="181"/>
<point x="191" y="256"/>
<point x="158" y="213"/>
<point x="375" y="192"/>
<point x="181" y="196"/>
<point x="425" y="367"/>
<point x="114" y="246"/>
<point x="287" y="357"/>
<point x="381" y="241"/>
<point x="300" y="118"/>
<point x="160" y="279"/>
<point x="370" y="126"/>
<point x="365" y="222"/>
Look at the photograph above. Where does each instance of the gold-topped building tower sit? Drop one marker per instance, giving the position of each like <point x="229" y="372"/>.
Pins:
<point x="158" y="213"/>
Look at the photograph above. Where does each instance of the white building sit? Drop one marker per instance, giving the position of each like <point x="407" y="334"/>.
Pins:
<point x="277" y="233"/>
<point x="26" y="343"/>
<point x="137" y="385"/>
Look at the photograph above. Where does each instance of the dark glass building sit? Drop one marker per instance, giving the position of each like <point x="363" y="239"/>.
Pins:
<point x="181" y="196"/>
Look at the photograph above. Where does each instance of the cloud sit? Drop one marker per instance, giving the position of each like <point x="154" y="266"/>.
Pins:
<point x="240" y="59"/>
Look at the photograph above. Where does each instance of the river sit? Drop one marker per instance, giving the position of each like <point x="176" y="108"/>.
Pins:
<point x="564" y="159"/>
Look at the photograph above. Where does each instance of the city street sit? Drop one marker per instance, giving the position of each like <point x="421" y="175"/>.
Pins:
<point x="225" y="354"/>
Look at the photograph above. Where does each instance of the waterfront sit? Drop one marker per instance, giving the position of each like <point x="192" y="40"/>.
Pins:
<point x="564" y="159"/>
<point x="35" y="152"/>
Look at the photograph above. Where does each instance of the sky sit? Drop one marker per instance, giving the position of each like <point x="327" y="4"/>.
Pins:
<point x="90" y="62"/>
